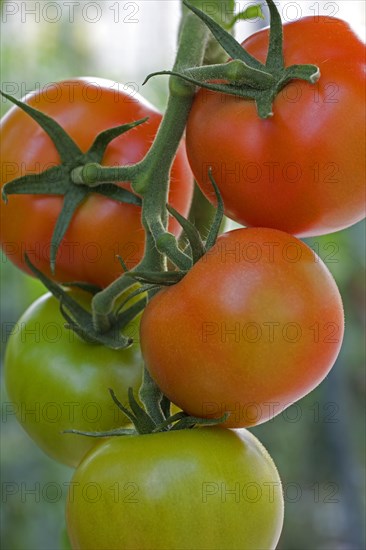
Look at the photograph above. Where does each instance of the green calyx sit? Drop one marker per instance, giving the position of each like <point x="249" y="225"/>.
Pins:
<point x="82" y="322"/>
<point x="244" y="76"/>
<point x="154" y="415"/>
<point x="63" y="180"/>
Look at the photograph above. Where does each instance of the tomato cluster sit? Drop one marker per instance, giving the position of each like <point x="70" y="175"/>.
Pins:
<point x="255" y="324"/>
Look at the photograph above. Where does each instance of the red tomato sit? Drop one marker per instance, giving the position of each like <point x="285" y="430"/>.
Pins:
<point x="254" y="326"/>
<point x="302" y="170"/>
<point x="101" y="228"/>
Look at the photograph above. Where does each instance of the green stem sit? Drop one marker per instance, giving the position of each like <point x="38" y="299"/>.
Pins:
<point x="152" y="179"/>
<point x="93" y="174"/>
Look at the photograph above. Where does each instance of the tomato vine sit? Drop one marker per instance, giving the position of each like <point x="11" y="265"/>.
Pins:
<point x="209" y="64"/>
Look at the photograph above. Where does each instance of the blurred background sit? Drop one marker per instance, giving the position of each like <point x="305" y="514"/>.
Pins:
<point x="317" y="444"/>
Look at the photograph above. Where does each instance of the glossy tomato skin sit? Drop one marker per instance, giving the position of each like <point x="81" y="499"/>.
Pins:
<point x="303" y="169"/>
<point x="101" y="228"/>
<point x="171" y="490"/>
<point x="254" y="326"/>
<point x="58" y="382"/>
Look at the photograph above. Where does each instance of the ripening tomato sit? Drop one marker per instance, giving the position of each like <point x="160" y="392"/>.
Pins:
<point x="201" y="489"/>
<point x="102" y="228"/>
<point x="303" y="169"/>
<point x="254" y="326"/>
<point x="58" y="382"/>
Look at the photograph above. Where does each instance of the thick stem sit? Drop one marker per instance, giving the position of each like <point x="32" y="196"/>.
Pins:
<point x="154" y="184"/>
<point x="152" y="181"/>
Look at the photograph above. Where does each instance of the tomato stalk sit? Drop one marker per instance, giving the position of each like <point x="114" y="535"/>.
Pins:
<point x="150" y="177"/>
<point x="152" y="183"/>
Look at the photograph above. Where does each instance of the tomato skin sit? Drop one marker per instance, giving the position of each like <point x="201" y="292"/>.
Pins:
<point x="101" y="228"/>
<point x="302" y="170"/>
<point x="254" y="326"/>
<point x="58" y="382"/>
<point x="170" y="490"/>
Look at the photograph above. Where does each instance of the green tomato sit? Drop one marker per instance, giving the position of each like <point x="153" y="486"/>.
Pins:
<point x="201" y="489"/>
<point x="58" y="382"/>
